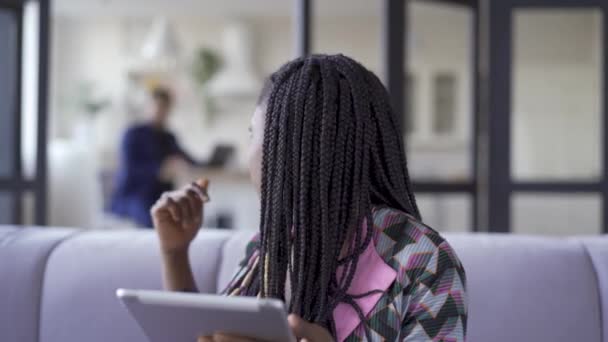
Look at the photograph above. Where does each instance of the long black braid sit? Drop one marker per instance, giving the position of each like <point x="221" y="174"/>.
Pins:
<point x="331" y="152"/>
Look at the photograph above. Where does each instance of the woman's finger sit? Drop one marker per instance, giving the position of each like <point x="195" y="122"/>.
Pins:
<point x="158" y="206"/>
<point x="196" y="208"/>
<point x="184" y="206"/>
<point x="203" y="182"/>
<point x="202" y="186"/>
<point x="173" y="209"/>
<point x="298" y="326"/>
<point x="195" y="201"/>
<point x="205" y="339"/>
<point x="308" y="331"/>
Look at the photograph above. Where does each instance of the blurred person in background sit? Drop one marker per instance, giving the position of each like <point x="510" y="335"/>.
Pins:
<point x="150" y="156"/>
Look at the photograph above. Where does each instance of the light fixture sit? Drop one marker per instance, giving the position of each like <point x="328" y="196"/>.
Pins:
<point x="161" y="48"/>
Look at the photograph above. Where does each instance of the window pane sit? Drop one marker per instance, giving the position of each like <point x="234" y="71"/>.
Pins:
<point x="29" y="88"/>
<point x="6" y="208"/>
<point x="550" y="214"/>
<point x="8" y="74"/>
<point x="439" y="47"/>
<point x="444" y="103"/>
<point x="410" y="105"/>
<point x="556" y="94"/>
<point x="446" y="212"/>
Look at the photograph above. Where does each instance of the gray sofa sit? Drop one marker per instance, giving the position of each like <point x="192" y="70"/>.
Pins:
<point x="58" y="284"/>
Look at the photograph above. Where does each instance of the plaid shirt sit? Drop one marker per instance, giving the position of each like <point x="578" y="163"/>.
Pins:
<point x="422" y="280"/>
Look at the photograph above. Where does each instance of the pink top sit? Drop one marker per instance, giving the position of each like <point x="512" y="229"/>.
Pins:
<point x="371" y="273"/>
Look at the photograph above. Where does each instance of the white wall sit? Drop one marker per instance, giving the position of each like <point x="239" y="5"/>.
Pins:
<point x="551" y="137"/>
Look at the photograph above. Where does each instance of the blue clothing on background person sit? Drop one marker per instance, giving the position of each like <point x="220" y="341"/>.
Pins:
<point x="143" y="150"/>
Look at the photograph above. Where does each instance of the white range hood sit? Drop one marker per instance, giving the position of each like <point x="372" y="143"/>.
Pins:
<point x="160" y="48"/>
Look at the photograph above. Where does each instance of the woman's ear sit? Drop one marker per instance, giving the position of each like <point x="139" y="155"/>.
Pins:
<point x="256" y="145"/>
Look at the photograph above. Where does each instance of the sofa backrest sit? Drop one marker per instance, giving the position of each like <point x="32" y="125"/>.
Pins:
<point x="530" y="288"/>
<point x="520" y="288"/>
<point x="598" y="253"/>
<point x="23" y="259"/>
<point x="83" y="273"/>
<point x="58" y="285"/>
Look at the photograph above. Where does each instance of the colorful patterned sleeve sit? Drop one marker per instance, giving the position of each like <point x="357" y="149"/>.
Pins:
<point x="434" y="304"/>
<point x="250" y="251"/>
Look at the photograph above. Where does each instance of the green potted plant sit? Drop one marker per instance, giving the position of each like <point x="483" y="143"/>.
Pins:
<point x="89" y="103"/>
<point x="205" y="65"/>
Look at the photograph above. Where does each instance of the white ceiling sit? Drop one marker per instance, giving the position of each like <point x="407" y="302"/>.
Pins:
<point x="210" y="7"/>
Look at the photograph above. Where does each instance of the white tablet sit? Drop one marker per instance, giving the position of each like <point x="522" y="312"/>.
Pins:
<point x="183" y="317"/>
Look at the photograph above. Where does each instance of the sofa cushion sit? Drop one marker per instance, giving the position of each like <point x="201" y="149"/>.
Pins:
<point x="529" y="289"/>
<point x="78" y="298"/>
<point x="23" y="256"/>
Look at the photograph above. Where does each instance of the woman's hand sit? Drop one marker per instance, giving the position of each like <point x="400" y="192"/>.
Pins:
<point x="303" y="330"/>
<point x="308" y="332"/>
<point x="178" y="215"/>
<point x="221" y="337"/>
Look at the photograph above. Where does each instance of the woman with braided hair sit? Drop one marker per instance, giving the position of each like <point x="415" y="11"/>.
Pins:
<point x="340" y="239"/>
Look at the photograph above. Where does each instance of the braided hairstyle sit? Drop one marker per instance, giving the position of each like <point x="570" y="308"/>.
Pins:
<point x="331" y="151"/>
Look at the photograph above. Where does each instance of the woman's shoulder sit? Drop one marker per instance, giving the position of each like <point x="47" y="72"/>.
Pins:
<point x="251" y="249"/>
<point x="406" y="243"/>
<point x="403" y="227"/>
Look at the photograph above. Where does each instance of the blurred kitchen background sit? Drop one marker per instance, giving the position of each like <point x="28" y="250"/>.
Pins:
<point x="105" y="56"/>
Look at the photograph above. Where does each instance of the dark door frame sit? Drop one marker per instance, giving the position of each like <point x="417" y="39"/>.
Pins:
<point x="44" y="48"/>
<point x="302" y="27"/>
<point x="13" y="183"/>
<point x="16" y="184"/>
